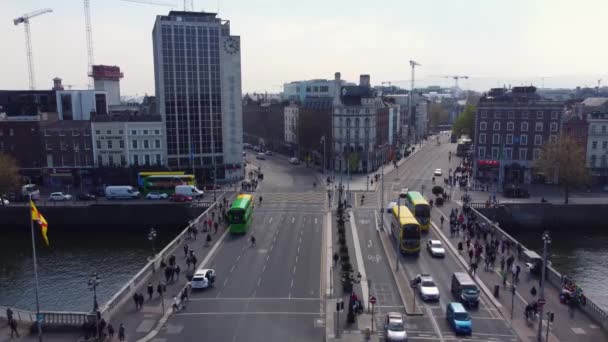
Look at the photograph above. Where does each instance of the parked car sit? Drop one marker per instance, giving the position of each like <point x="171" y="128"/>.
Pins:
<point x="121" y="192"/>
<point x="294" y="161"/>
<point x="4" y="201"/>
<point x="86" y="197"/>
<point x="156" y="196"/>
<point x="268" y="153"/>
<point x="189" y="190"/>
<point x="180" y="198"/>
<point x="59" y="196"/>
<point x="437" y="172"/>
<point x="389" y="207"/>
<point x="260" y="156"/>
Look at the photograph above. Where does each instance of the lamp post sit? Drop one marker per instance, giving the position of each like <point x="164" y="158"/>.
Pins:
<point x="152" y="238"/>
<point x="546" y="241"/>
<point x="399" y="245"/>
<point x="93" y="283"/>
<point x="323" y="142"/>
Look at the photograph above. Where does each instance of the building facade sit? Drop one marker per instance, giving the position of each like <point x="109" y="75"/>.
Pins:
<point x="124" y="140"/>
<point x="197" y="69"/>
<point x="20" y="138"/>
<point x="291" y="123"/>
<point x="107" y="78"/>
<point x="80" y="104"/>
<point x="511" y="126"/>
<point x="300" y="90"/>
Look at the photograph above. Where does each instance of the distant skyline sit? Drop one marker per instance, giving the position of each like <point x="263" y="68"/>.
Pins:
<point x="494" y="42"/>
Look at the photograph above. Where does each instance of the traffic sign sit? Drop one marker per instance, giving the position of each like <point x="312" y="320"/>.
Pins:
<point x="541" y="301"/>
<point x="372" y="300"/>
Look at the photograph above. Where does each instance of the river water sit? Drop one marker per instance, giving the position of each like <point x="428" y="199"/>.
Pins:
<point x="580" y="255"/>
<point x="65" y="267"/>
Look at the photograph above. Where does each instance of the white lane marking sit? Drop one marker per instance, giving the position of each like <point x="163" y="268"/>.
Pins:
<point x="256" y="298"/>
<point x="359" y="257"/>
<point x="369" y="244"/>
<point x="263" y="268"/>
<point x="247" y="313"/>
<point x="270" y="220"/>
<point x="232" y="268"/>
<point x="296" y="259"/>
<point x="315" y="220"/>
<point x="259" y="280"/>
<point x="268" y="256"/>
<point x="237" y="258"/>
<point x="294" y="272"/>
<point x="291" y="284"/>
<point x="293" y="219"/>
<point x="225" y="282"/>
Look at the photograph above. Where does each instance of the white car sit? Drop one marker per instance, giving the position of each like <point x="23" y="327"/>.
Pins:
<point x="4" y="201"/>
<point x="294" y="161"/>
<point x="260" y="156"/>
<point x="437" y="172"/>
<point x="203" y="279"/>
<point x="59" y="196"/>
<point x="156" y="195"/>
<point x="389" y="207"/>
<point x="435" y="247"/>
<point x="394" y="327"/>
<point x="426" y="287"/>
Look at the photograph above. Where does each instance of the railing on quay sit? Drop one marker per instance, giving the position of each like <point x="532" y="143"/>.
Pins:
<point x="56" y="318"/>
<point x="554" y="278"/>
<point x="113" y="304"/>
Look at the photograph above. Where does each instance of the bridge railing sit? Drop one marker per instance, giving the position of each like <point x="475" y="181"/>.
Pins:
<point x="49" y="318"/>
<point x="554" y="278"/>
<point x="126" y="292"/>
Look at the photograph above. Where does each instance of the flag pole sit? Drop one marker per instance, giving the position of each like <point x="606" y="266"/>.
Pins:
<point x="38" y="323"/>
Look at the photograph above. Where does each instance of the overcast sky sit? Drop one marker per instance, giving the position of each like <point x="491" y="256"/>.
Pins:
<point x="495" y="42"/>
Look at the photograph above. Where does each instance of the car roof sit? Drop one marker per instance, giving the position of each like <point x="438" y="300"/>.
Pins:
<point x="426" y="277"/>
<point x="434" y="241"/>
<point x="457" y="307"/>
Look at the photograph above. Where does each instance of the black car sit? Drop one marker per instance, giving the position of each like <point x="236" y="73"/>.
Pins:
<point x="86" y="197"/>
<point x="514" y="192"/>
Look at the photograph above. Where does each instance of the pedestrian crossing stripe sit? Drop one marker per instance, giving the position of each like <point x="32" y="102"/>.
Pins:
<point x="294" y="197"/>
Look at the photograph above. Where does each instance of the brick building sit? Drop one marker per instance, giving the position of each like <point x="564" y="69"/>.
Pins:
<point x="511" y="125"/>
<point x="20" y="138"/>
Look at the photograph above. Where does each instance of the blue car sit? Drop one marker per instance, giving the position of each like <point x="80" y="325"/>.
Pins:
<point x="459" y="318"/>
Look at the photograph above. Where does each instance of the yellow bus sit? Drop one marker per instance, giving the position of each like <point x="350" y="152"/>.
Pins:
<point x="420" y="207"/>
<point x="142" y="175"/>
<point x="406" y="230"/>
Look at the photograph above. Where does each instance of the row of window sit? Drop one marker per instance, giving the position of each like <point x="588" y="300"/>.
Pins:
<point x="524" y="114"/>
<point x="593" y="161"/>
<point x="352" y="111"/>
<point x="316" y="89"/>
<point x="68" y="160"/>
<point x="63" y="145"/>
<point x="507" y="154"/>
<point x="538" y="126"/>
<point x="595" y="127"/>
<point x="135" y="160"/>
<point x="594" y="145"/>
<point x="516" y="140"/>
<point x="133" y="132"/>
<point x="134" y="144"/>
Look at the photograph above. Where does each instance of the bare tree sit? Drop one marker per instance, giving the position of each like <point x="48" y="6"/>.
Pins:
<point x="566" y="160"/>
<point x="9" y="173"/>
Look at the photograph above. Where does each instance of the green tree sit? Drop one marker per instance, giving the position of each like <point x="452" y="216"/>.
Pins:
<point x="9" y="173"/>
<point x="465" y="124"/>
<point x="437" y="115"/>
<point x="566" y="160"/>
<point x="353" y="162"/>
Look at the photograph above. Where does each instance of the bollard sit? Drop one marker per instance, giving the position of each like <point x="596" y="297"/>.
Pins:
<point x="496" y="290"/>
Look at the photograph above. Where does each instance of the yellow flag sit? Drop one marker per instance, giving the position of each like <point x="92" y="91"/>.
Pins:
<point x="44" y="226"/>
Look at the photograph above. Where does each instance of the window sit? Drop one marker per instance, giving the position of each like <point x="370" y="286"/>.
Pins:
<point x="510" y="126"/>
<point x="603" y="129"/>
<point x="86" y="134"/>
<point x="47" y="145"/>
<point x="123" y="160"/>
<point x="523" y="154"/>
<point x="145" y="132"/>
<point x="157" y="131"/>
<point x="484" y="114"/>
<point x="147" y="159"/>
<point x="524" y="126"/>
<point x="604" y="144"/>
<point x="146" y="144"/>
<point x="97" y="132"/>
<point x="495" y="139"/>
<point x="133" y="132"/>
<point x="509" y="139"/>
<point x="496" y="126"/>
<point x="134" y="143"/>
<point x="593" y="160"/>
<point x="63" y="145"/>
<point x="61" y="133"/>
<point x="553" y="127"/>
<point x="594" y="145"/>
<point x="98" y="144"/>
<point x="482" y="138"/>
<point x="553" y="138"/>
<point x="524" y="114"/>
<point x="87" y="146"/>
<point x="510" y="115"/>
<point x="538" y="139"/>
<point x="11" y="132"/>
<point x="539" y="114"/>
<point x="553" y="115"/>
<point x="135" y="159"/>
<point x="523" y="139"/>
<point x="158" y="161"/>
<point x="538" y="127"/>
<point x="494" y="152"/>
<point x="508" y="153"/>
<point x="99" y="161"/>
<point x="157" y="143"/>
<point x="46" y="133"/>
<point x="121" y="132"/>
<point x="536" y="154"/>
<point x="109" y="143"/>
<point x="109" y="132"/>
<point x="111" y="160"/>
<point x="497" y="115"/>
<point x="481" y="152"/>
<point x="76" y="146"/>
<point x="121" y="143"/>
<point x="75" y="133"/>
<point x="483" y="125"/>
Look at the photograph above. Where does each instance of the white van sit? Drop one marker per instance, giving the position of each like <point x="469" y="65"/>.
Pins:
<point x="189" y="190"/>
<point x="121" y="191"/>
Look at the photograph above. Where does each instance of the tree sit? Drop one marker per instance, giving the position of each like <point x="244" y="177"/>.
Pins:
<point x="9" y="173"/>
<point x="566" y="160"/>
<point x="437" y="115"/>
<point x="353" y="162"/>
<point x="465" y="124"/>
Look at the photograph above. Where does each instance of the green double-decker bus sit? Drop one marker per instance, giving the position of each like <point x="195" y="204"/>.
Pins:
<point x="240" y="214"/>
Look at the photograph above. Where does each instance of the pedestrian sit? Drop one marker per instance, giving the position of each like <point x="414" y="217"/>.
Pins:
<point x="470" y="255"/>
<point x="208" y="240"/>
<point x="136" y="300"/>
<point x="336" y="258"/>
<point x="533" y="291"/>
<point x="194" y="232"/>
<point x="121" y="332"/>
<point x="150" y="290"/>
<point x="184" y="296"/>
<point x="160" y="288"/>
<point x="473" y="268"/>
<point x="460" y="247"/>
<point x="141" y="300"/>
<point x="167" y="274"/>
<point x="517" y="270"/>
<point x="513" y="272"/>
<point x="110" y="331"/>
<point x="172" y="260"/>
<point x="185" y="250"/>
<point x="215" y="225"/>
<point x="502" y="263"/>
<point x="9" y="314"/>
<point x="13" y="324"/>
<point x="176" y="271"/>
<point x="175" y="304"/>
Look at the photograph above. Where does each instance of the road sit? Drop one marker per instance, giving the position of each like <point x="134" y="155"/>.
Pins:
<point x="416" y="174"/>
<point x="273" y="291"/>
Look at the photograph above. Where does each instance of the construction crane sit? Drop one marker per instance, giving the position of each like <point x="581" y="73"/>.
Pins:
<point x="157" y="3"/>
<point x="456" y="78"/>
<point x="89" y="36"/>
<point x="413" y="64"/>
<point x="25" y="19"/>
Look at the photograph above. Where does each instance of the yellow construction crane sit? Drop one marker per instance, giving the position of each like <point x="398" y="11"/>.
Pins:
<point x="25" y="20"/>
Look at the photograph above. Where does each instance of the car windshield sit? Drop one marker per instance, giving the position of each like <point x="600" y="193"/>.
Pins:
<point x="470" y="289"/>
<point x="436" y="244"/>
<point x="198" y="278"/>
<point x="462" y="316"/>
<point x="428" y="283"/>
<point x="395" y="326"/>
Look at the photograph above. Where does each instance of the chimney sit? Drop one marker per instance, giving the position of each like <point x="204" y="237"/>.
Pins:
<point x="337" y="76"/>
<point x="364" y="80"/>
<point x="337" y="88"/>
<point x="57" y="84"/>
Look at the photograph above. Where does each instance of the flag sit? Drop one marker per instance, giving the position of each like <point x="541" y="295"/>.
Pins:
<point x="44" y="226"/>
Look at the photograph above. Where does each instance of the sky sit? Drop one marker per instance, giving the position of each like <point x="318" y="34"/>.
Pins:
<point x="550" y="43"/>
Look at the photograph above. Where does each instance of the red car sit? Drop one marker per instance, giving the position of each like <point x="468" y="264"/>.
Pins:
<point x="180" y="198"/>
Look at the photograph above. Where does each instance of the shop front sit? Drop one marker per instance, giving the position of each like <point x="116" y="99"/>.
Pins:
<point x="487" y="170"/>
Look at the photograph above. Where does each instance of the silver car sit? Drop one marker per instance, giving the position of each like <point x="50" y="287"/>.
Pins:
<point x="59" y="196"/>
<point x="427" y="287"/>
<point x="394" y="327"/>
<point x="435" y="247"/>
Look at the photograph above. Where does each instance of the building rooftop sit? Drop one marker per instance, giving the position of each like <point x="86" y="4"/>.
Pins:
<point x="318" y="103"/>
<point x="66" y="124"/>
<point x="595" y="101"/>
<point x="126" y="118"/>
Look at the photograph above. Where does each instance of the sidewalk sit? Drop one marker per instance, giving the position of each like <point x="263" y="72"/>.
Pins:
<point x="566" y="327"/>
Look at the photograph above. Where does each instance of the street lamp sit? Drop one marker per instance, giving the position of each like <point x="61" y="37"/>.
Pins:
<point x="93" y="283"/>
<point x="541" y="298"/>
<point x="152" y="238"/>
<point x="323" y="142"/>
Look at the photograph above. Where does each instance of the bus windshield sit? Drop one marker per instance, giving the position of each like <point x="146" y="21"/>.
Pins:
<point x="411" y="231"/>
<point x="422" y="210"/>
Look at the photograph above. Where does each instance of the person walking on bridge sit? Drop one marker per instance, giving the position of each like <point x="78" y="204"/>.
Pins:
<point x="121" y="332"/>
<point x="150" y="290"/>
<point x="13" y="324"/>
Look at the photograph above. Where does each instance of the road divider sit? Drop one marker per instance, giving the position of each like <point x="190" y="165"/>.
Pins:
<point x="359" y="257"/>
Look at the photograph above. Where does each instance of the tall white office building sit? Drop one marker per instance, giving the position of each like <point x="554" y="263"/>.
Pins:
<point x="197" y="70"/>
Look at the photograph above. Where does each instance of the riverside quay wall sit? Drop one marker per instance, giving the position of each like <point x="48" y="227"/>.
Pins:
<point x="110" y="215"/>
<point x="547" y="216"/>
